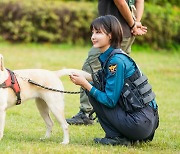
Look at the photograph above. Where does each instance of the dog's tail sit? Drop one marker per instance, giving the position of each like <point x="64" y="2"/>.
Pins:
<point x="64" y="72"/>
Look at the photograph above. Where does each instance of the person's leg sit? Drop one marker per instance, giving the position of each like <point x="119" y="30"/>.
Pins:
<point x="102" y="117"/>
<point x="91" y="64"/>
<point x="82" y="117"/>
<point x="127" y="43"/>
<point x="112" y="135"/>
<point x="156" y="124"/>
<point x="117" y="123"/>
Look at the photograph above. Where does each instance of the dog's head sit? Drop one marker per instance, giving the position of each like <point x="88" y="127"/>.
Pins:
<point x="3" y="71"/>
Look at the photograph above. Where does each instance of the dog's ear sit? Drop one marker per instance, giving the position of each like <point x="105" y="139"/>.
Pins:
<point x="1" y="63"/>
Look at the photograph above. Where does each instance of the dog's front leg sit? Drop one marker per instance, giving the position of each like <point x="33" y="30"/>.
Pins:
<point x="2" y="121"/>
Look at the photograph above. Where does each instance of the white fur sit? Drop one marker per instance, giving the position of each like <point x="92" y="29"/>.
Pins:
<point x="46" y="100"/>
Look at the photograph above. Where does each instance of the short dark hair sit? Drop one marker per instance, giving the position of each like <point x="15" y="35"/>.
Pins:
<point x="110" y="25"/>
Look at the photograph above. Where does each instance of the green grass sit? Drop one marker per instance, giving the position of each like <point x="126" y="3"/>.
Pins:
<point x="24" y="126"/>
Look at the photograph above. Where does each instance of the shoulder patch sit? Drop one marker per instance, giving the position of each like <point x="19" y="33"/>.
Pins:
<point x="112" y="68"/>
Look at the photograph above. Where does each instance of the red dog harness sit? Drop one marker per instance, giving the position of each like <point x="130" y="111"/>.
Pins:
<point x="12" y="82"/>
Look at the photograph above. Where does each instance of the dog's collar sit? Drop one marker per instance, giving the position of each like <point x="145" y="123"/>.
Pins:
<point x="12" y="82"/>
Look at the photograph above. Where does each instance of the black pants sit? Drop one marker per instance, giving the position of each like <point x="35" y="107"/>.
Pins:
<point x="140" y="125"/>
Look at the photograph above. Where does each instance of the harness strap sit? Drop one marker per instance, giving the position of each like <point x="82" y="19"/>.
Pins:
<point x="12" y="77"/>
<point x="12" y="83"/>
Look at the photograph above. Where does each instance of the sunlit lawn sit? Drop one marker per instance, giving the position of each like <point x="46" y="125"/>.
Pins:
<point x="24" y="126"/>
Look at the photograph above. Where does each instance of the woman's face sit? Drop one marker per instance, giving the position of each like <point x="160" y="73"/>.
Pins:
<point x="100" y="39"/>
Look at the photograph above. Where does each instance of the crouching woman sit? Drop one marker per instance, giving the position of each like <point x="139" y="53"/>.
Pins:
<point x="120" y="94"/>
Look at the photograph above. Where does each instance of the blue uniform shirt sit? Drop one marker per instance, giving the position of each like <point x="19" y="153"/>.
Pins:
<point x="114" y="78"/>
<point x="118" y="68"/>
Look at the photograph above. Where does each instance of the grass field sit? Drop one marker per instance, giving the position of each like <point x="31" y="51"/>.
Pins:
<point x="24" y="126"/>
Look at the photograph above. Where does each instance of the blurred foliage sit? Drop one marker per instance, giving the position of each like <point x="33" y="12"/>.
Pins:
<point x="46" y="22"/>
<point x="157" y="2"/>
<point x="68" y="22"/>
<point x="81" y="0"/>
<point x="163" y="26"/>
<point x="164" y="2"/>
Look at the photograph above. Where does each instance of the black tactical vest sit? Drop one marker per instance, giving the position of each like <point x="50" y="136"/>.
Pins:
<point x="136" y="93"/>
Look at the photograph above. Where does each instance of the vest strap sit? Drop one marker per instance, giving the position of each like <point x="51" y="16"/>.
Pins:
<point x="149" y="98"/>
<point x="145" y="89"/>
<point x="140" y="80"/>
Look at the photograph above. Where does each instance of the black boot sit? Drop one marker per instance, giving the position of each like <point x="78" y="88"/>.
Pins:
<point x="113" y="141"/>
<point x="81" y="118"/>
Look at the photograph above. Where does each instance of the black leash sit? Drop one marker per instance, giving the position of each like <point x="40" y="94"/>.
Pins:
<point x="52" y="89"/>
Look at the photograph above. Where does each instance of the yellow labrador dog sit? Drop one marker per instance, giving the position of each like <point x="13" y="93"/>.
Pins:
<point x="46" y="100"/>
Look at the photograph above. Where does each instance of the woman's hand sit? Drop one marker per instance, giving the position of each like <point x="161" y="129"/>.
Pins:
<point x="81" y="81"/>
<point x="139" y="29"/>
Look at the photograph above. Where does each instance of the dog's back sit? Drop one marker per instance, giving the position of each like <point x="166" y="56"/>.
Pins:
<point x="43" y="77"/>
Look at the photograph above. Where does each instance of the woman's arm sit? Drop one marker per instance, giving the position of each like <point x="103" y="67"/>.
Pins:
<point x="81" y="81"/>
<point x="123" y="8"/>
<point x="139" y="4"/>
<point x="113" y="87"/>
<point x="139" y="9"/>
<point x="125" y="11"/>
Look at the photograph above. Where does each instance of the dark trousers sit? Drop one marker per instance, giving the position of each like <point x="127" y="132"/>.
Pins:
<point x="140" y="125"/>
